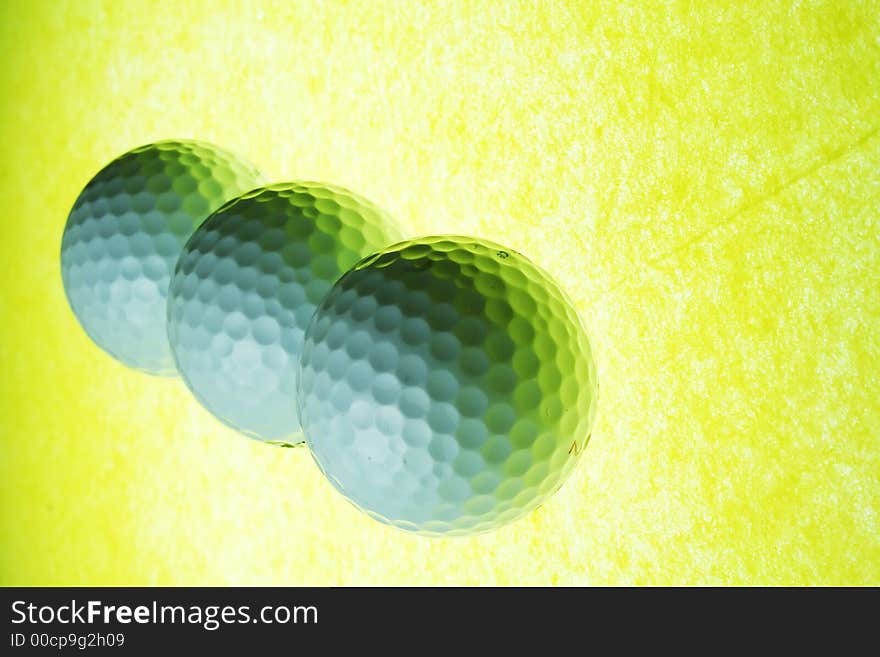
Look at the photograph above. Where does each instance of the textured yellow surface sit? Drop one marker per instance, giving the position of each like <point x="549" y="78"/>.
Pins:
<point x="701" y="177"/>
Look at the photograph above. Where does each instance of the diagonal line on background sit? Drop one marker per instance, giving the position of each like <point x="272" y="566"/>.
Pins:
<point x="807" y="172"/>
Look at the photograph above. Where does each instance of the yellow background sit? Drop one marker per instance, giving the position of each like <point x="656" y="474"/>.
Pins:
<point x="702" y="177"/>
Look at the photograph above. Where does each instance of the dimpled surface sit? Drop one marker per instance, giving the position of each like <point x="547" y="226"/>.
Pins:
<point x="125" y="232"/>
<point x="447" y="385"/>
<point x="245" y="288"/>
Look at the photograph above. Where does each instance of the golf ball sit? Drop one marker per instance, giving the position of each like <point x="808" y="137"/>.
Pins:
<point x="123" y="237"/>
<point x="447" y="385"/>
<point x="245" y="288"/>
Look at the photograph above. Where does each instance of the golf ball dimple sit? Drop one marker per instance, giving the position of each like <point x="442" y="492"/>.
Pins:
<point x="245" y="288"/>
<point x="124" y="234"/>
<point x="447" y="385"/>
